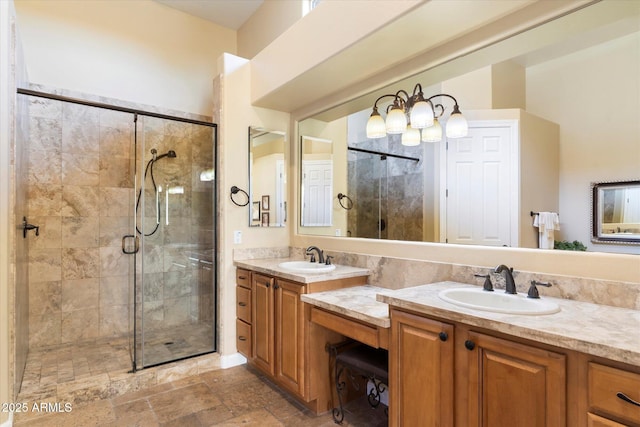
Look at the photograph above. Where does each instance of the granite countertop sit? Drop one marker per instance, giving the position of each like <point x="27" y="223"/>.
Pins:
<point x="270" y="266"/>
<point x="357" y="302"/>
<point x="599" y="330"/>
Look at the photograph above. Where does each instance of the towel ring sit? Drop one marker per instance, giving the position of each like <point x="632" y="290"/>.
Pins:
<point x="349" y="201"/>
<point x="236" y="190"/>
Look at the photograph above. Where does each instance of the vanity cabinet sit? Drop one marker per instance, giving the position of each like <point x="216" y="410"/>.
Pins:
<point x="511" y="383"/>
<point x="421" y="368"/>
<point x="613" y="394"/>
<point x="243" y="312"/>
<point x="278" y="330"/>
<point x="271" y="313"/>
<point x="447" y="374"/>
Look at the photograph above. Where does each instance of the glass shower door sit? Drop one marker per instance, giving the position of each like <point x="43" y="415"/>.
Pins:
<point x="175" y="281"/>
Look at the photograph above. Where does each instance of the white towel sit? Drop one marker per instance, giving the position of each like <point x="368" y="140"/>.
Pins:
<point x="546" y="222"/>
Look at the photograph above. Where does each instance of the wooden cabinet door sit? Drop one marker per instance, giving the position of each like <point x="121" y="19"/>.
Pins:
<point x="421" y="371"/>
<point x="289" y="320"/>
<point x="262" y="314"/>
<point x="512" y="384"/>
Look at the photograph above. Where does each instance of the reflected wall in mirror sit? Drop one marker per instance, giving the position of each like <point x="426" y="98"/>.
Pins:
<point x="267" y="178"/>
<point x="616" y="212"/>
<point x="541" y="73"/>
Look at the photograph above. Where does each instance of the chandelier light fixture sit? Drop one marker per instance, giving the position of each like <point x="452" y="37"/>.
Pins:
<point x="416" y="119"/>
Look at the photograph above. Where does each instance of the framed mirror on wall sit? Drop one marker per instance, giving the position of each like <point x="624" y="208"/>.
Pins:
<point x="531" y="73"/>
<point x="616" y="212"/>
<point x="267" y="178"/>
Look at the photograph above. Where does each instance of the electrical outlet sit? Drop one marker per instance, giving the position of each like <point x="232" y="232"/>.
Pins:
<point x="237" y="237"/>
<point x="338" y="233"/>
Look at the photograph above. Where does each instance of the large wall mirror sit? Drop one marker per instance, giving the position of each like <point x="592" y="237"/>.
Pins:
<point x="616" y="212"/>
<point x="267" y="178"/>
<point x="553" y="77"/>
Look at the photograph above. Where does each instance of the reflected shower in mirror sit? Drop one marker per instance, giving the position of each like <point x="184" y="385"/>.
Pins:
<point x="616" y="212"/>
<point x="267" y="178"/>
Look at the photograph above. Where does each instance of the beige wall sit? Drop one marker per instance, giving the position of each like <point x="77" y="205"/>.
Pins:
<point x="272" y="18"/>
<point x="138" y="51"/>
<point x="598" y="114"/>
<point x="6" y="244"/>
<point x="236" y="115"/>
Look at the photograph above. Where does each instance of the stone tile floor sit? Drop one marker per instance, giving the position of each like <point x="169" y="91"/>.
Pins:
<point x="98" y="368"/>
<point x="229" y="397"/>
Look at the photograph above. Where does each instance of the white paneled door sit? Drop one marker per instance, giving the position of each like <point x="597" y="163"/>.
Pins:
<point x="480" y="186"/>
<point x="317" y="189"/>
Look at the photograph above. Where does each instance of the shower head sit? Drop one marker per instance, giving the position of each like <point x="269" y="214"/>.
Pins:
<point x="169" y="153"/>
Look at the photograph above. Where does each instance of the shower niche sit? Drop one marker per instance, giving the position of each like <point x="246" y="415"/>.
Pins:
<point x="126" y="250"/>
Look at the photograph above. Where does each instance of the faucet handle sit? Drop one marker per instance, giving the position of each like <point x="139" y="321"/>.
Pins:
<point x="487" y="286"/>
<point x="533" y="290"/>
<point x="327" y="259"/>
<point x="312" y="257"/>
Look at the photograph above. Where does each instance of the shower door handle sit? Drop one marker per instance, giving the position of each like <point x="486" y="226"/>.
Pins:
<point x="136" y="244"/>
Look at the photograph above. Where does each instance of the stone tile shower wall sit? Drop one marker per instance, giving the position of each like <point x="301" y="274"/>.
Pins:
<point x="387" y="188"/>
<point x="80" y="191"/>
<point x="81" y="165"/>
<point x="178" y="265"/>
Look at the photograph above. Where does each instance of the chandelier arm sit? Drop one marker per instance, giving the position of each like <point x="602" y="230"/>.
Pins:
<point x="444" y="94"/>
<point x="406" y="95"/>
<point x="375" y="104"/>
<point x="441" y="110"/>
<point x="418" y="86"/>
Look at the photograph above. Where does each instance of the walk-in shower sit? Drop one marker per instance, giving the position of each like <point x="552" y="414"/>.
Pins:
<point x="126" y="255"/>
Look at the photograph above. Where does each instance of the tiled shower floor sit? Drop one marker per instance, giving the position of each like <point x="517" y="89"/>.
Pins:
<point x="100" y="368"/>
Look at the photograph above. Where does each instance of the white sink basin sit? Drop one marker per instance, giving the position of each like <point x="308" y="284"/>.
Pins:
<point x="498" y="301"/>
<point x="306" y="267"/>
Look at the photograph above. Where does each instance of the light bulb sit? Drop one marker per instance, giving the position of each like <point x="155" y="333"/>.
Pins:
<point x="411" y="136"/>
<point x="376" y="127"/>
<point x="396" y="121"/>
<point x="421" y="115"/>
<point x="457" y="126"/>
<point x="432" y="133"/>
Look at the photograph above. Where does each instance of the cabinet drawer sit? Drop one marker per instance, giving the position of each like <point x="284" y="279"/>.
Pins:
<point x="243" y="338"/>
<point x="243" y="301"/>
<point x="596" y="421"/>
<point x="243" y="278"/>
<point x="366" y="334"/>
<point x="607" y="388"/>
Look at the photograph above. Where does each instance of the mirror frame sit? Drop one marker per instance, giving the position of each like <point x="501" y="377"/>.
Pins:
<point x="597" y="236"/>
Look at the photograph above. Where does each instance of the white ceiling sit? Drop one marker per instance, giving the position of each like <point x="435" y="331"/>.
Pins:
<point x="227" y="13"/>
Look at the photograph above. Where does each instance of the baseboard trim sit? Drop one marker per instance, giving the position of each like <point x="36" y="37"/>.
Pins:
<point x="229" y="361"/>
<point x="9" y="421"/>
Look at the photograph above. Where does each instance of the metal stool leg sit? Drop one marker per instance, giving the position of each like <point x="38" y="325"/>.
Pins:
<point x="376" y="392"/>
<point x="338" y="413"/>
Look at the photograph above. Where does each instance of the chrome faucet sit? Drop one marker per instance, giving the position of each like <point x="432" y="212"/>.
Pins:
<point x="310" y="250"/>
<point x="508" y="278"/>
